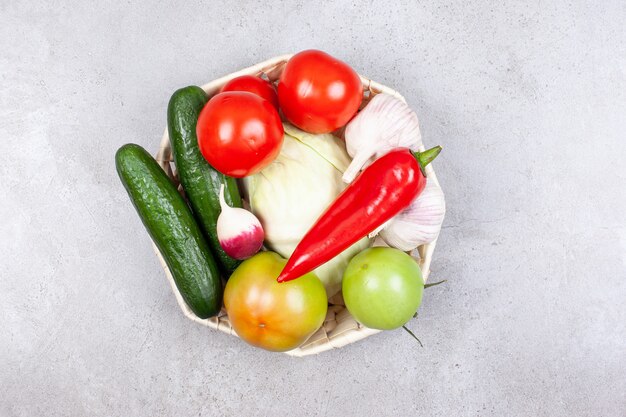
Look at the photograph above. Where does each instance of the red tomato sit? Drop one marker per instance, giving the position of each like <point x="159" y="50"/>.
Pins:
<point x="319" y="93"/>
<point x="273" y="316"/>
<point x="254" y="85"/>
<point x="239" y="133"/>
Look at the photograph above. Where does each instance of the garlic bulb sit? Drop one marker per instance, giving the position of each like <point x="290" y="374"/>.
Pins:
<point x="420" y="222"/>
<point x="384" y="124"/>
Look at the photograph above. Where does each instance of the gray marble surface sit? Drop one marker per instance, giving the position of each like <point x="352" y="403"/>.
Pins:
<point x="528" y="100"/>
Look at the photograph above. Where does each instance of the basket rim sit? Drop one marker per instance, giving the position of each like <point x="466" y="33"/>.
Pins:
<point x="272" y="67"/>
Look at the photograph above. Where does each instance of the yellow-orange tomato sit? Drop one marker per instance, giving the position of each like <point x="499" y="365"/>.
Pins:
<point x="271" y="315"/>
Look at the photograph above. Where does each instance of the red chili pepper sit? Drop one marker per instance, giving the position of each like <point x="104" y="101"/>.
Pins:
<point x="380" y="192"/>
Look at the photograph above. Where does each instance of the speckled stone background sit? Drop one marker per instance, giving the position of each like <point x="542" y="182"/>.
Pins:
<point x="528" y="100"/>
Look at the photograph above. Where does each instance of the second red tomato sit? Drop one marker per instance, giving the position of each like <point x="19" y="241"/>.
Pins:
<point x="319" y="93"/>
<point x="254" y="85"/>
<point x="239" y="133"/>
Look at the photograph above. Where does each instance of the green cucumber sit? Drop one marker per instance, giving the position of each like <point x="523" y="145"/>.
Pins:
<point x="171" y="224"/>
<point x="200" y="180"/>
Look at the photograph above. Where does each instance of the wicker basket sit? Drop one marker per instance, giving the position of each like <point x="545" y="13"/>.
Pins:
<point x="339" y="328"/>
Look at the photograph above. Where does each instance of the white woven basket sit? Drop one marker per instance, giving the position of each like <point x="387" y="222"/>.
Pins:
<point x="339" y="328"/>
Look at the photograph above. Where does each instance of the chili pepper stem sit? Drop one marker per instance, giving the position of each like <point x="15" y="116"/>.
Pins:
<point x="426" y="157"/>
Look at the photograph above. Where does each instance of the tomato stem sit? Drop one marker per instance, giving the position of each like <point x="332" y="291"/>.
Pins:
<point x="434" y="283"/>
<point x="414" y="337"/>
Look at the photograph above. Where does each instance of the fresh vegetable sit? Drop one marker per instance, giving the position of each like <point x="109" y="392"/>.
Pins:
<point x="420" y="222"/>
<point x="254" y="85"/>
<point x="200" y="180"/>
<point x="382" y="288"/>
<point x="384" y="124"/>
<point x="273" y="316"/>
<point x="381" y="191"/>
<point x="319" y="93"/>
<point x="239" y="231"/>
<point x="239" y="133"/>
<point x="173" y="229"/>
<point x="293" y="191"/>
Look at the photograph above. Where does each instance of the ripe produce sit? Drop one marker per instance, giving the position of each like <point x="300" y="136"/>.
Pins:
<point x="273" y="316"/>
<point x="307" y="194"/>
<point x="291" y="193"/>
<point x="388" y="123"/>
<point x="239" y="231"/>
<point x="381" y="191"/>
<point x="382" y="288"/>
<point x="239" y="133"/>
<point x="254" y="85"/>
<point x="200" y="180"/>
<point x="173" y="229"/>
<point x="319" y="93"/>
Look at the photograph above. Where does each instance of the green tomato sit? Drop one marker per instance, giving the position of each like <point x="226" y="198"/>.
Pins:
<point x="382" y="288"/>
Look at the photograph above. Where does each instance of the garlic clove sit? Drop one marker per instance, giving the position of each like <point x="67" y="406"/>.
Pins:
<point x="420" y="222"/>
<point x="353" y="170"/>
<point x="384" y="124"/>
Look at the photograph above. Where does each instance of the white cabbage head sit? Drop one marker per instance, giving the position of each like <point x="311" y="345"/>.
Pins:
<point x="291" y="193"/>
